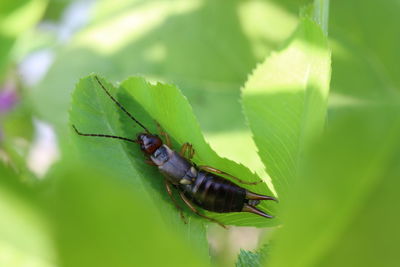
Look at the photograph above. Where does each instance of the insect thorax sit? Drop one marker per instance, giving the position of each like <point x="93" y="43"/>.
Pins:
<point x="161" y="155"/>
<point x="176" y="168"/>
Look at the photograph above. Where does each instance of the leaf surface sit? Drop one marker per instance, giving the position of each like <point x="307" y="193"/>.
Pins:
<point x="248" y="258"/>
<point x="285" y="101"/>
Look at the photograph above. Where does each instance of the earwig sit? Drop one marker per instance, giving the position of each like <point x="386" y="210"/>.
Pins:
<point x="201" y="186"/>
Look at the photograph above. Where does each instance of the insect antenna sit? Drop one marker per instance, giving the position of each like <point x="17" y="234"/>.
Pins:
<point x="104" y="135"/>
<point x="120" y="106"/>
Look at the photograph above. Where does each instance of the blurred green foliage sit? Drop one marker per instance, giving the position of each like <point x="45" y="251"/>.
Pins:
<point x="342" y="208"/>
<point x="115" y="224"/>
<point x="16" y="17"/>
<point x="365" y="44"/>
<point x="110" y="208"/>
<point x="25" y="235"/>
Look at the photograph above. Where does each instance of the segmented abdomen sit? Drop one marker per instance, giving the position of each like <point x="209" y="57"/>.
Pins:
<point x="214" y="193"/>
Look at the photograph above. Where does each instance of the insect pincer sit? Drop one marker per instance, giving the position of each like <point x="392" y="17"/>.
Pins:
<point x="149" y="142"/>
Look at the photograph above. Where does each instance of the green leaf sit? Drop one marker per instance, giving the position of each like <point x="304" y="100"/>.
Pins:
<point x="285" y="102"/>
<point x="248" y="258"/>
<point x="365" y="45"/>
<point x="25" y="237"/>
<point x="93" y="112"/>
<point x="16" y="17"/>
<point x="103" y="221"/>
<point x="342" y="212"/>
<point x="254" y="259"/>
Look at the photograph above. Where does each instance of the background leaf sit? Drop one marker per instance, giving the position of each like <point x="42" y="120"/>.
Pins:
<point x="341" y="211"/>
<point x="16" y="17"/>
<point x="365" y="68"/>
<point x="102" y="220"/>
<point x="285" y="102"/>
<point x="25" y="229"/>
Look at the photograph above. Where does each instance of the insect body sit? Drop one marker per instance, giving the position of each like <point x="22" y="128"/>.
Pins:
<point x="202" y="185"/>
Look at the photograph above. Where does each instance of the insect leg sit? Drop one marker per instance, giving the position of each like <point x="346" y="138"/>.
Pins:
<point x="192" y="151"/>
<point x="249" y="208"/>
<point x="187" y="147"/>
<point x="190" y="205"/>
<point x="104" y="135"/>
<point x="211" y="169"/>
<point x="166" y="136"/>
<point x="150" y="162"/>
<point x="169" y="191"/>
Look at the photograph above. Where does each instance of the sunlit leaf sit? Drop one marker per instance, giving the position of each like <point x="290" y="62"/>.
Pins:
<point x="285" y="102"/>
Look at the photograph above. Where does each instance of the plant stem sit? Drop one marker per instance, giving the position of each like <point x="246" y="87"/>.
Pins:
<point x="321" y="14"/>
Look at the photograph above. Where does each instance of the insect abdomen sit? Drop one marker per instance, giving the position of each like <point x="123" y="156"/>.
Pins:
<point x="214" y="193"/>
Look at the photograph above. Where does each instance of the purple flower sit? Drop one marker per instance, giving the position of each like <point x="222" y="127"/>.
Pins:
<point x="8" y="99"/>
